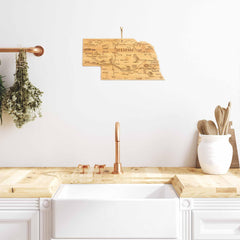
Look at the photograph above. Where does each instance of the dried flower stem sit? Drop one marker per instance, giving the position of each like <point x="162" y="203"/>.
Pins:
<point x="22" y="100"/>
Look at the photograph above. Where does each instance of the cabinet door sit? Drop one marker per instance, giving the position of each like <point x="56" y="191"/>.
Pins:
<point x="19" y="225"/>
<point x="216" y="224"/>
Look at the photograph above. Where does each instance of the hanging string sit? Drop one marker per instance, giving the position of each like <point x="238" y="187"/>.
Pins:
<point x="121" y="28"/>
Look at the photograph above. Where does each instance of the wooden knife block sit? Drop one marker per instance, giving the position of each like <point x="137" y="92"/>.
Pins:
<point x="235" y="160"/>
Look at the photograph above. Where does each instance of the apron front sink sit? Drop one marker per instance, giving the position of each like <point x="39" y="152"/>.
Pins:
<point x="115" y="211"/>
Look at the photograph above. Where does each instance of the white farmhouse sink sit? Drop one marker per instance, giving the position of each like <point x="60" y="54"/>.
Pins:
<point x="115" y="211"/>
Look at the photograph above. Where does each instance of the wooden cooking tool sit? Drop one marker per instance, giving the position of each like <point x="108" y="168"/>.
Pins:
<point x="207" y="127"/>
<point x="227" y="128"/>
<point x="201" y="127"/>
<point x="226" y="119"/>
<point x="219" y="116"/>
<point x="211" y="128"/>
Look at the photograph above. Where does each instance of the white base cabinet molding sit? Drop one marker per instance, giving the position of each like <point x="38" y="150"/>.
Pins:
<point x="45" y="218"/>
<point x="25" y="219"/>
<point x="210" y="218"/>
<point x="199" y="219"/>
<point x="19" y="219"/>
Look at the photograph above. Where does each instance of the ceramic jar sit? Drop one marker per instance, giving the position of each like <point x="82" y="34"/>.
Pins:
<point x="215" y="153"/>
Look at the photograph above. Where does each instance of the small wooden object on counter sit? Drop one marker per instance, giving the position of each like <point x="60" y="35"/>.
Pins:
<point x="83" y="167"/>
<point x="235" y="158"/>
<point x="203" y="185"/>
<point x="99" y="167"/>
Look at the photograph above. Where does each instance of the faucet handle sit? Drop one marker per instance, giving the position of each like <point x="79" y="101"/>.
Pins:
<point x="99" y="167"/>
<point x="83" y="167"/>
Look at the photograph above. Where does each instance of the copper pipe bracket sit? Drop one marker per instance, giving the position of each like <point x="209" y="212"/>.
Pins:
<point x="38" y="51"/>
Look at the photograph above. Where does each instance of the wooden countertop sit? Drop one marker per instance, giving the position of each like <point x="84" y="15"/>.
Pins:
<point x="188" y="182"/>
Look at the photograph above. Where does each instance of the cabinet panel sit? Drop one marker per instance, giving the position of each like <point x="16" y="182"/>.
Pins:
<point x="216" y="224"/>
<point x="19" y="225"/>
<point x="121" y="219"/>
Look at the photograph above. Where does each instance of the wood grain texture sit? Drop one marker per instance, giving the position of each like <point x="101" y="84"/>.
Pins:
<point x="188" y="182"/>
<point x="122" y="59"/>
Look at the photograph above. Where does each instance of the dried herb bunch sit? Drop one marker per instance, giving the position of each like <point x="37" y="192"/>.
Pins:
<point x="22" y="100"/>
<point x="2" y="95"/>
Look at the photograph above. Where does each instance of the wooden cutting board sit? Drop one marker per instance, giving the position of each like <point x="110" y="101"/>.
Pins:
<point x="235" y="159"/>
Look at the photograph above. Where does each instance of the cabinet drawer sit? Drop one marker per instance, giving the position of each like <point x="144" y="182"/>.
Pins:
<point x="216" y="224"/>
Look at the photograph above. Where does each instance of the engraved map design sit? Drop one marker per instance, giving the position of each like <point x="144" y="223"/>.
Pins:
<point x="122" y="59"/>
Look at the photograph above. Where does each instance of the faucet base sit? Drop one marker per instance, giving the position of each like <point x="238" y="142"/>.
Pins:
<point x="117" y="168"/>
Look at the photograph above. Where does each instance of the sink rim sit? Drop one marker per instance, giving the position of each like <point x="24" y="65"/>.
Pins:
<point x="171" y="195"/>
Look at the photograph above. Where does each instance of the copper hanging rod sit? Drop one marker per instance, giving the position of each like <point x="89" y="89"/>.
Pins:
<point x="37" y="50"/>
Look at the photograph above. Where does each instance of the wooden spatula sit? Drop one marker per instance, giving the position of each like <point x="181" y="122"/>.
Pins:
<point x="207" y="127"/>
<point x="201" y="127"/>
<point x="226" y="119"/>
<point x="210" y="128"/>
<point x="219" y="116"/>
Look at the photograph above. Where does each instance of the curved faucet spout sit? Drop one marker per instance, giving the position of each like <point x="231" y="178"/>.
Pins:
<point x="117" y="165"/>
<point x="117" y="132"/>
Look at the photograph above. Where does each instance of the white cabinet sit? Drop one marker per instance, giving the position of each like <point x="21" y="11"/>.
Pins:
<point x="19" y="219"/>
<point x="19" y="225"/>
<point x="200" y="219"/>
<point x="216" y="224"/>
<point x="210" y="219"/>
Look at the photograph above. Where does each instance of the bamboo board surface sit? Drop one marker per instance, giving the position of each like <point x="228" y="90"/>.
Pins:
<point x="188" y="182"/>
<point x="122" y="59"/>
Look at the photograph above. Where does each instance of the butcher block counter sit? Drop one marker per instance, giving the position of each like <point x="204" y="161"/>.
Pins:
<point x="188" y="182"/>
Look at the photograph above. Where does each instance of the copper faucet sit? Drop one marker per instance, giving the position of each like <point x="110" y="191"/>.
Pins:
<point x="117" y="165"/>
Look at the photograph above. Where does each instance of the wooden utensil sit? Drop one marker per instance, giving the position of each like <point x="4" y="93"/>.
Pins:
<point x="219" y="116"/>
<point x="226" y="119"/>
<point x="210" y="128"/>
<point x="228" y="127"/>
<point x="207" y="127"/>
<point x="201" y="127"/>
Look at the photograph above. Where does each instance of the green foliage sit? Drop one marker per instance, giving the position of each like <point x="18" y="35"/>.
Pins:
<point x="22" y="100"/>
<point x="2" y="95"/>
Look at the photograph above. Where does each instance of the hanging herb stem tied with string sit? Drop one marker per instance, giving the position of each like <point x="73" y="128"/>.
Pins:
<point x="2" y="95"/>
<point x="22" y="100"/>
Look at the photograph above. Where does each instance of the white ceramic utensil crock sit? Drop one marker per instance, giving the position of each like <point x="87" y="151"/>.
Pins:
<point x="215" y="153"/>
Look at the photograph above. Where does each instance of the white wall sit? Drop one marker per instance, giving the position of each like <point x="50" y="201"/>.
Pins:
<point x="198" y="47"/>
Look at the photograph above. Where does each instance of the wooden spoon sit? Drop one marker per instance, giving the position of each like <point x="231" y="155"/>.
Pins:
<point x="228" y="127"/>
<point x="211" y="128"/>
<point x="226" y="119"/>
<point x="207" y="127"/>
<point x="201" y="127"/>
<point x="219" y="116"/>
